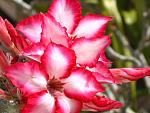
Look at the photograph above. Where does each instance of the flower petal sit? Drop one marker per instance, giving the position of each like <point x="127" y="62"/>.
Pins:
<point x="66" y="12"/>
<point x="5" y="38"/>
<point x="100" y="103"/>
<point x="31" y="27"/>
<point x="66" y="105"/>
<point x="104" y="59"/>
<point x="82" y="85"/>
<point x="91" y="26"/>
<point x="123" y="75"/>
<point x="35" y="51"/>
<point x="58" y="60"/>
<point x="41" y="102"/>
<point x="52" y="31"/>
<point x="102" y="73"/>
<point x="88" y="50"/>
<point x="28" y="77"/>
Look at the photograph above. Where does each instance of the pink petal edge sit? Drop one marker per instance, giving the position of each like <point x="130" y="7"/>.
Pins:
<point x="34" y="51"/>
<point x="41" y="102"/>
<point x="67" y="105"/>
<point x="28" y="77"/>
<point x="88" y="51"/>
<point x="52" y="31"/>
<point x="58" y="60"/>
<point x="92" y="26"/>
<point x="31" y="27"/>
<point x="102" y="73"/>
<point x="66" y="12"/>
<point x="81" y="85"/>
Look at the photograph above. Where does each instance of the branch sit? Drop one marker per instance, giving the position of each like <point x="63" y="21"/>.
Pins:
<point x="144" y="40"/>
<point x="122" y="39"/>
<point x="118" y="56"/>
<point x="137" y="52"/>
<point x="16" y="9"/>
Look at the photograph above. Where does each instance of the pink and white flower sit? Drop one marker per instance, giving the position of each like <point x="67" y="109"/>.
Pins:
<point x="89" y="47"/>
<point x="69" y="60"/>
<point x="56" y="84"/>
<point x="63" y="24"/>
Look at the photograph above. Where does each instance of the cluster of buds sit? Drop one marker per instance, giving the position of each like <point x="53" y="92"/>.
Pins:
<point x="55" y="61"/>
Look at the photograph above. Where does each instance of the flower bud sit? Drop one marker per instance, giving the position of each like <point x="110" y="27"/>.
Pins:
<point x="5" y="38"/>
<point x="3" y="62"/>
<point x="4" y="35"/>
<point x="2" y="94"/>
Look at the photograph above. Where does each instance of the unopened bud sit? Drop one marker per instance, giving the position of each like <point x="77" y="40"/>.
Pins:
<point x="3" y="62"/>
<point x="5" y="38"/>
<point x="2" y="94"/>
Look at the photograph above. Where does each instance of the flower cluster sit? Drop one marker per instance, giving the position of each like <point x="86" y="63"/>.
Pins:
<point x="57" y="61"/>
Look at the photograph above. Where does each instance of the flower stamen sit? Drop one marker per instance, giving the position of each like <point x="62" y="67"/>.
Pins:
<point x="54" y="85"/>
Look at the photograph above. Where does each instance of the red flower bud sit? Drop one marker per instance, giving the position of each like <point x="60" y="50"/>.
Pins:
<point x="3" y="62"/>
<point x="5" y="38"/>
